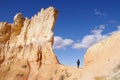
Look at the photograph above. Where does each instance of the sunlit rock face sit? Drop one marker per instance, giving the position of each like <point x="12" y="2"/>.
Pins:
<point x="26" y="52"/>
<point x="103" y="58"/>
<point x="26" y="45"/>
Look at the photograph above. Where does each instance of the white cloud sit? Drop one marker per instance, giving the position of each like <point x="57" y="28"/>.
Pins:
<point x="112" y="21"/>
<point x="99" y="13"/>
<point x="60" y="43"/>
<point x="94" y="37"/>
<point x="87" y="41"/>
<point x="118" y="27"/>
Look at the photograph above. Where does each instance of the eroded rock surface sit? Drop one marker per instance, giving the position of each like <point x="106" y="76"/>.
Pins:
<point x="26" y="45"/>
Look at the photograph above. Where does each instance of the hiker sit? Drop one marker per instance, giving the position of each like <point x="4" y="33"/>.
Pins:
<point x="78" y="63"/>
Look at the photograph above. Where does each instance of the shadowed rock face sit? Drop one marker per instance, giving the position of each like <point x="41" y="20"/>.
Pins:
<point x="26" y="52"/>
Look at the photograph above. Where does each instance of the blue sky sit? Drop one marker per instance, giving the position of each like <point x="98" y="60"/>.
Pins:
<point x="80" y="23"/>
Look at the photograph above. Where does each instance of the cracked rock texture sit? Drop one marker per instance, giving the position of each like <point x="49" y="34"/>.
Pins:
<point x="26" y="52"/>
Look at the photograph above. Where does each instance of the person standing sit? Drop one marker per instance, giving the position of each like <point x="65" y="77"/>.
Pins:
<point x="78" y="63"/>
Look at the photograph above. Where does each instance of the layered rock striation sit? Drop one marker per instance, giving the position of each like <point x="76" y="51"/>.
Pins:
<point x="26" y="45"/>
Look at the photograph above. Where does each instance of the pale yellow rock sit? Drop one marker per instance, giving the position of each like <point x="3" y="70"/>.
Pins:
<point x="103" y="58"/>
<point x="27" y="40"/>
<point x="5" y="32"/>
<point x="26" y="52"/>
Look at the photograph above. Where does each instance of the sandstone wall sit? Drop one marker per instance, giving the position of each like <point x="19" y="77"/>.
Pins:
<point x="26" y="45"/>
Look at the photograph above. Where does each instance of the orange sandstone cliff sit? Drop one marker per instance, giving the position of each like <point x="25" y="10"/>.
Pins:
<point x="26" y="46"/>
<point x="26" y="52"/>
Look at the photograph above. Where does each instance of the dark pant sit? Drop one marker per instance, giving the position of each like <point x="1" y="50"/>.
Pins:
<point x="78" y="65"/>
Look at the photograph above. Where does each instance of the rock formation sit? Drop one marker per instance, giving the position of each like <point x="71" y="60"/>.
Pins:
<point x="26" y="52"/>
<point x="26" y="46"/>
<point x="103" y="59"/>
